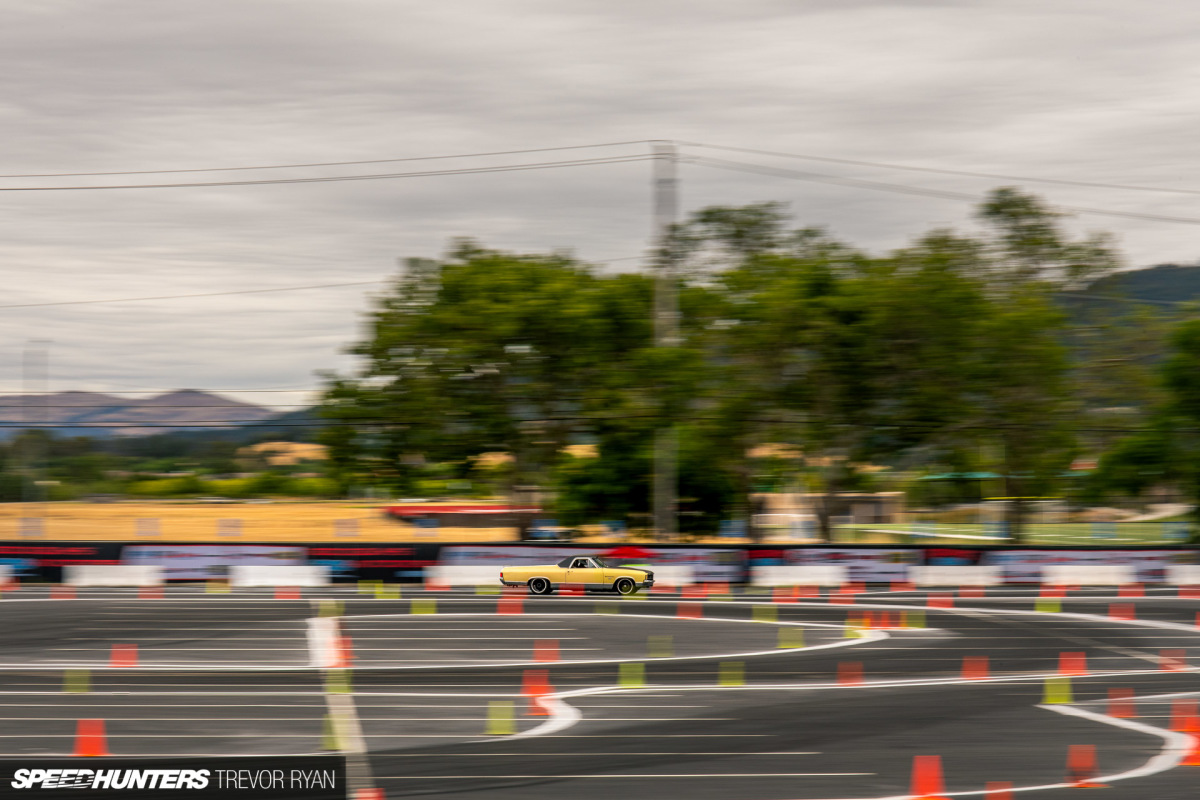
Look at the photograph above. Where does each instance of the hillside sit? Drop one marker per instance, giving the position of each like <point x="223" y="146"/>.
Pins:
<point x="96" y="414"/>
<point x="1160" y="286"/>
<point x="1165" y="283"/>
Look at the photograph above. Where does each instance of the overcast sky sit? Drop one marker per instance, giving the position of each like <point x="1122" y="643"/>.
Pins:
<point x="1083" y="90"/>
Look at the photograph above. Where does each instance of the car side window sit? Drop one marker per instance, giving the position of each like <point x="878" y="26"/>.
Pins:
<point x="580" y="563"/>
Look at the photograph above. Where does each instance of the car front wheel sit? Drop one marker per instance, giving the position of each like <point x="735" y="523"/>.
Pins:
<point x="539" y="586"/>
<point x="625" y="586"/>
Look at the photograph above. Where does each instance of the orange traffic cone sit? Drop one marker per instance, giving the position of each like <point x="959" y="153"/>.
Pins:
<point x="690" y="611"/>
<point x="1172" y="660"/>
<point x="927" y="778"/>
<point x="535" y="684"/>
<point x="902" y="586"/>
<point x="90" y="739"/>
<point x="1072" y="664"/>
<point x="123" y="655"/>
<point x="62" y="592"/>
<point x="808" y="591"/>
<point x="287" y="592"/>
<point x="784" y="594"/>
<point x="150" y="593"/>
<point x="1131" y="590"/>
<point x="1189" y="591"/>
<point x="344" y="652"/>
<point x="850" y="673"/>
<point x="510" y="604"/>
<point x="1184" y="717"/>
<point x="971" y="591"/>
<point x="545" y="650"/>
<point x="1120" y="704"/>
<point x="1122" y="611"/>
<point x="369" y="794"/>
<point x="838" y="598"/>
<point x="998" y="790"/>
<point x="1081" y="766"/>
<point x="1192" y="759"/>
<point x="940" y="600"/>
<point x="975" y="668"/>
<point x="1052" y="591"/>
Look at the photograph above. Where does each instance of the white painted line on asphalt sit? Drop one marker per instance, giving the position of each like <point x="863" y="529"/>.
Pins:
<point x="621" y="705"/>
<point x="322" y="633"/>
<point x="634" y="776"/>
<point x="576" y="753"/>
<point x="151" y="647"/>
<point x="324" y="636"/>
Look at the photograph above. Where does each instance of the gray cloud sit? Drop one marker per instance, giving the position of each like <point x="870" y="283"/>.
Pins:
<point x="1095" y="90"/>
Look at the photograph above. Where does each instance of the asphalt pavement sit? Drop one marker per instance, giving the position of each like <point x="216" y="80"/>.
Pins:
<point x="730" y="697"/>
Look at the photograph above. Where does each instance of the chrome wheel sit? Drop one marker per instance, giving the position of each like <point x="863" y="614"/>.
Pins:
<point x="625" y="586"/>
<point x="539" y="586"/>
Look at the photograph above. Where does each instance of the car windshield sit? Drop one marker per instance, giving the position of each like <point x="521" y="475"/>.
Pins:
<point x="603" y="562"/>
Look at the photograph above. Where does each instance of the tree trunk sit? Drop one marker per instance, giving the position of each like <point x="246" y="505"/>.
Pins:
<point x="1014" y="508"/>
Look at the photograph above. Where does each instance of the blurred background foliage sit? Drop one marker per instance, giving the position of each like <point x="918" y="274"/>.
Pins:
<point x="803" y="364"/>
<point x="956" y="352"/>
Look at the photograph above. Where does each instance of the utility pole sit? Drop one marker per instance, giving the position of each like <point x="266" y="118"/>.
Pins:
<point x="34" y="371"/>
<point x="666" y="333"/>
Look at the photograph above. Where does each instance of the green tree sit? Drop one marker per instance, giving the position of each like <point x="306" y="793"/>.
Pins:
<point x="1027" y="401"/>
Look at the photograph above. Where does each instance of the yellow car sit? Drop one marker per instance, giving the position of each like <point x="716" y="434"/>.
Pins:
<point x="590" y="572"/>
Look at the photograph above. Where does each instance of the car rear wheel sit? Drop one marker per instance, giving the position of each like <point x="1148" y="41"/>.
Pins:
<point x="625" y="586"/>
<point x="539" y="586"/>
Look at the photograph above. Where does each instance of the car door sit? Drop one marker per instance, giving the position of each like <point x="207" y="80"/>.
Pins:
<point x="585" y="572"/>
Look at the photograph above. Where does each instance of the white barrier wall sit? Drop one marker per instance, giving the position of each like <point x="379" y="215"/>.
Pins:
<point x="956" y="576"/>
<point x="792" y="575"/>
<point x="464" y="574"/>
<point x="672" y="574"/>
<point x="112" y="575"/>
<point x="1088" y="574"/>
<point x="1183" y="574"/>
<point x="281" y="575"/>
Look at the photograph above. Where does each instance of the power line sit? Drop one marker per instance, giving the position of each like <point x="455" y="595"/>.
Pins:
<point x="240" y="291"/>
<point x="182" y="296"/>
<point x="324" y="163"/>
<point x="945" y="194"/>
<point x="341" y="178"/>
<point x="944" y="171"/>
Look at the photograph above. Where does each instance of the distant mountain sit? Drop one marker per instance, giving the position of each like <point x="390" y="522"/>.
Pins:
<point x="1163" y="283"/>
<point x="96" y="414"/>
<point x="1159" y="286"/>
